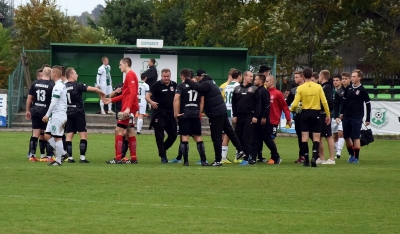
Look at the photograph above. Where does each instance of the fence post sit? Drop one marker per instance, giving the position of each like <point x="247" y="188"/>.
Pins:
<point x="9" y="105"/>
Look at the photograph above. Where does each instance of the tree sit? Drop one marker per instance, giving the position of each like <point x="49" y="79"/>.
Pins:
<point x="6" y="58"/>
<point x="5" y="10"/>
<point x="128" y="20"/>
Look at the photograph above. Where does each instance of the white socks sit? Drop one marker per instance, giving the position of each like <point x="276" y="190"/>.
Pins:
<point x="340" y="145"/>
<point x="224" y="152"/>
<point x="59" y="150"/>
<point x="83" y="157"/>
<point x="139" y="124"/>
<point x="109" y="106"/>
<point x="52" y="142"/>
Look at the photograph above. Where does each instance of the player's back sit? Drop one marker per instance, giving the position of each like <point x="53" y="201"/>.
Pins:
<point x="190" y="101"/>
<point x="41" y="91"/>
<point x="229" y="89"/>
<point x="310" y="95"/>
<point x="143" y="89"/>
<point x="74" y="97"/>
<point x="60" y="91"/>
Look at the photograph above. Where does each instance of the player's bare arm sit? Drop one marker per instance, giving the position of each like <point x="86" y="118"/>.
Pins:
<point x="153" y="104"/>
<point x="115" y="92"/>
<point x="96" y="90"/>
<point x="177" y="104"/>
<point x="28" y="107"/>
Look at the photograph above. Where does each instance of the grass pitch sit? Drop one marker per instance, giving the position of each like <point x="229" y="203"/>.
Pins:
<point x="153" y="198"/>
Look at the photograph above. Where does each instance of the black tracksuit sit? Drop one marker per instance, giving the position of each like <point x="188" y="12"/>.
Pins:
<point x="162" y="118"/>
<point x="215" y="109"/>
<point x="245" y="105"/>
<point x="151" y="75"/>
<point x="262" y="133"/>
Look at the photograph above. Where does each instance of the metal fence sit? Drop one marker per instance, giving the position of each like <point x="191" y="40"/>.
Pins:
<point x="15" y="92"/>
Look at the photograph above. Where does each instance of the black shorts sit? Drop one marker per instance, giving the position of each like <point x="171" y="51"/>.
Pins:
<point x="189" y="127"/>
<point x="326" y="130"/>
<point x="37" y="123"/>
<point x="76" y="123"/>
<point x="310" y="121"/>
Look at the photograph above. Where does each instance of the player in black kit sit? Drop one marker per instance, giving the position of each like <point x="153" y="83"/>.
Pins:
<point x="37" y="104"/>
<point x="188" y="104"/>
<point x="76" y="121"/>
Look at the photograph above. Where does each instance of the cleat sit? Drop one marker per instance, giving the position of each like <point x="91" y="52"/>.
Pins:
<point x="103" y="113"/>
<point x="329" y="162"/>
<point x="306" y="164"/>
<point x="216" y="164"/>
<point x="351" y="158"/>
<point x="33" y="158"/>
<point x="164" y="160"/>
<point x="252" y="162"/>
<point x="64" y="157"/>
<point x="46" y="159"/>
<point x="244" y="163"/>
<point x="175" y="161"/>
<point x="130" y="161"/>
<point x="240" y="155"/>
<point x="83" y="161"/>
<point x="110" y="112"/>
<point x="138" y="133"/>
<point x="355" y="161"/>
<point x="114" y="161"/>
<point x="313" y="162"/>
<point x="270" y="162"/>
<point x="319" y="161"/>
<point x="300" y="160"/>
<point x="186" y="164"/>
<point x="204" y="164"/>
<point x="54" y="164"/>
<point x="337" y="156"/>
<point x="262" y="160"/>
<point x="278" y="161"/>
<point x="237" y="161"/>
<point x="71" y="161"/>
<point x="201" y="163"/>
<point x="226" y="161"/>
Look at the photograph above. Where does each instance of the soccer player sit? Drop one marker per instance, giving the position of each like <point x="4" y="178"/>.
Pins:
<point x="228" y="94"/>
<point x="104" y="82"/>
<point x="161" y="98"/>
<point x="143" y="89"/>
<point x="337" y="127"/>
<point x="76" y="121"/>
<point x="311" y="95"/>
<point x="246" y="107"/>
<point x="229" y="80"/>
<point x="130" y="106"/>
<point x="326" y="129"/>
<point x="58" y="112"/>
<point x="278" y="105"/>
<point x="352" y="112"/>
<point x="37" y="104"/>
<point x="299" y="80"/>
<point x="262" y="130"/>
<point x="188" y="104"/>
<point x="215" y="109"/>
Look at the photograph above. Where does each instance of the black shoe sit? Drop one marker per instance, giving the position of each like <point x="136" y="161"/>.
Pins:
<point x="278" y="161"/>
<point x="306" y="164"/>
<point x="186" y="164"/>
<point x="337" y="156"/>
<point x="204" y="164"/>
<point x="240" y="155"/>
<point x="64" y="157"/>
<point x="164" y="160"/>
<point x="84" y="161"/>
<point x="130" y="161"/>
<point x="54" y="164"/>
<point x="313" y="162"/>
<point x="216" y="164"/>
<point x="262" y="160"/>
<point x="251" y="161"/>
<point x="71" y="161"/>
<point x="138" y="133"/>
<point x="113" y="161"/>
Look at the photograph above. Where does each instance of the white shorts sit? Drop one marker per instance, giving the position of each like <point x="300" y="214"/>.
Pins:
<point x="56" y="125"/>
<point x="142" y="107"/>
<point x="336" y="126"/>
<point x="107" y="90"/>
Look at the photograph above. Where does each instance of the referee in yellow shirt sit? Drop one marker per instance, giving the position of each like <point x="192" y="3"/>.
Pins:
<point x="312" y="96"/>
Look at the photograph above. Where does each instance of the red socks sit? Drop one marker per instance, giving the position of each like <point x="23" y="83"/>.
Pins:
<point x="132" y="147"/>
<point x="119" y="140"/>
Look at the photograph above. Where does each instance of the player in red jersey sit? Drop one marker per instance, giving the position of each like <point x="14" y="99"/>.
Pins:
<point x="130" y="106"/>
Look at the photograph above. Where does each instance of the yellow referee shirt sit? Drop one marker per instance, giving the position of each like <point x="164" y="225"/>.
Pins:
<point x="311" y="96"/>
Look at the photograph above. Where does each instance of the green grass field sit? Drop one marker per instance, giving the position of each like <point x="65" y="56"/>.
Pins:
<point x="153" y="198"/>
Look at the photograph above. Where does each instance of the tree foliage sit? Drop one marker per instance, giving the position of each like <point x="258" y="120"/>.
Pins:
<point x="5" y="10"/>
<point x="6" y="58"/>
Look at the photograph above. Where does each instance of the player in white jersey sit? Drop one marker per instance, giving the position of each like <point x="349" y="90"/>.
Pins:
<point x="228" y="93"/>
<point x="104" y="82"/>
<point x="58" y="112"/>
<point x="143" y="89"/>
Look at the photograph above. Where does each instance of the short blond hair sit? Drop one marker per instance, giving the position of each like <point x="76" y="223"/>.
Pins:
<point x="46" y="71"/>
<point x="359" y="73"/>
<point x="326" y="74"/>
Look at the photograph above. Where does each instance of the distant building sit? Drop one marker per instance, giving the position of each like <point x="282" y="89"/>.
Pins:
<point x="2" y="18"/>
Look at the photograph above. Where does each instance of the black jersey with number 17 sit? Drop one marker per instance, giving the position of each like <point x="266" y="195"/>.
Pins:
<point x="41" y="91"/>
<point x="190" y="101"/>
<point x="74" y="97"/>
